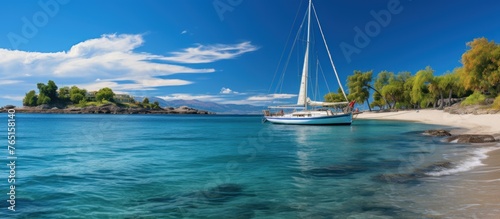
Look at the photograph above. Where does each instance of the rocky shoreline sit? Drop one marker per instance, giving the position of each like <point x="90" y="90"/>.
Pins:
<point x="480" y="109"/>
<point x="106" y="109"/>
<point x="462" y="138"/>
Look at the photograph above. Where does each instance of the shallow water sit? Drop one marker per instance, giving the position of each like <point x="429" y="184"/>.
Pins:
<point x="164" y="166"/>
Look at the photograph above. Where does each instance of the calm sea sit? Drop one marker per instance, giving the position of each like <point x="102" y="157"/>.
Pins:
<point x="165" y="166"/>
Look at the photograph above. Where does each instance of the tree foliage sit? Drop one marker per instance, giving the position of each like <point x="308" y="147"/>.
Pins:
<point x="481" y="66"/>
<point x="42" y="99"/>
<point x="420" y="90"/>
<point x="335" y="97"/>
<point x="480" y="72"/>
<point x="359" y="84"/>
<point x="156" y="105"/>
<point x="496" y="103"/>
<point x="474" y="99"/>
<point x="47" y="93"/>
<point x="30" y="99"/>
<point x="104" y="94"/>
<point x="64" y="94"/>
<point x="382" y="81"/>
<point x="77" y="95"/>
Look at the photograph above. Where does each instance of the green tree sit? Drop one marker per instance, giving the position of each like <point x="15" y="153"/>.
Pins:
<point x="156" y="105"/>
<point x="481" y="66"/>
<point x="64" y="95"/>
<point x="47" y="92"/>
<point x="104" y="94"/>
<point x="402" y="95"/>
<point x="474" y="99"/>
<point x="42" y="99"/>
<point x="145" y="101"/>
<point x="407" y="88"/>
<point x="77" y="95"/>
<point x="496" y="103"/>
<point x="336" y="97"/>
<point x="359" y="84"/>
<point x="459" y="88"/>
<point x="30" y="99"/>
<point x="448" y="83"/>
<point x="436" y="90"/>
<point x="382" y="80"/>
<point x="419" y="92"/>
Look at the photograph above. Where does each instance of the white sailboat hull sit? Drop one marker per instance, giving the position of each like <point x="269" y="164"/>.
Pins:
<point x="339" y="119"/>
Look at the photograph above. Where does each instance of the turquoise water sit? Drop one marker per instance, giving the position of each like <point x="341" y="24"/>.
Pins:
<point x="164" y="166"/>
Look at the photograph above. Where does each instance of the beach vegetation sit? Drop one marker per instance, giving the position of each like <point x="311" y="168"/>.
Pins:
<point x="381" y="81"/>
<point x="481" y="66"/>
<point x="474" y="99"/>
<point x="496" y="103"/>
<point x="64" y="94"/>
<point x="420" y="93"/>
<point x="42" y="99"/>
<point x="84" y="103"/>
<point x="104" y="94"/>
<point x="337" y="96"/>
<point x="155" y="105"/>
<point x="47" y="93"/>
<point x="30" y="99"/>
<point x="77" y="95"/>
<point x="450" y="84"/>
<point x="477" y="79"/>
<point x="359" y="85"/>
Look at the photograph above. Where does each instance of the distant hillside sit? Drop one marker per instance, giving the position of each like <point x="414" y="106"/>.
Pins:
<point x="208" y="106"/>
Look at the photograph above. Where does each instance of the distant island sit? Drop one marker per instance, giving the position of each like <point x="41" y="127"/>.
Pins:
<point x="73" y="100"/>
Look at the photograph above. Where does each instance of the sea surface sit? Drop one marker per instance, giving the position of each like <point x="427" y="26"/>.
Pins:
<point x="217" y="166"/>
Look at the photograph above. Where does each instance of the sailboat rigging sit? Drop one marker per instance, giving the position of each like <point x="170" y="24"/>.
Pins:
<point x="309" y="114"/>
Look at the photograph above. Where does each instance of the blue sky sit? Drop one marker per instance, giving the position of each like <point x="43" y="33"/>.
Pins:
<point x="226" y="51"/>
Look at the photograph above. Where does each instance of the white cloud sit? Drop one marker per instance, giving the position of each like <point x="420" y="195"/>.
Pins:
<point x="184" y="32"/>
<point x="109" y="43"/>
<point x="6" y="82"/>
<point x="201" y="97"/>
<point x="241" y="98"/>
<point x="145" y="84"/>
<point x="16" y="98"/>
<point x="210" y="53"/>
<point x="111" y="58"/>
<point x="226" y="90"/>
<point x="271" y="97"/>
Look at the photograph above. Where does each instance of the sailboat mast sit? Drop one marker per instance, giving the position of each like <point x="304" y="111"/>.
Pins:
<point x="303" y="83"/>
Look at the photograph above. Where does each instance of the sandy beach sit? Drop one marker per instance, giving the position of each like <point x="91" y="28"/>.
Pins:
<point x="468" y="123"/>
<point x="474" y="193"/>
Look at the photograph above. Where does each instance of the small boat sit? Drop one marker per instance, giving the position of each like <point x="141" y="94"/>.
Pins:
<point x="306" y="111"/>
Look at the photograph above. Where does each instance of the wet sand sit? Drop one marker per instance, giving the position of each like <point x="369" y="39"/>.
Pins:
<point x="474" y="193"/>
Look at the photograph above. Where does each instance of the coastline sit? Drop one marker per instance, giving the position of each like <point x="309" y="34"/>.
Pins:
<point x="473" y="193"/>
<point x="108" y="109"/>
<point x="466" y="123"/>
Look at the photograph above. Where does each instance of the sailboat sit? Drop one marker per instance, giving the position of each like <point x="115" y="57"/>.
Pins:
<point x="306" y="111"/>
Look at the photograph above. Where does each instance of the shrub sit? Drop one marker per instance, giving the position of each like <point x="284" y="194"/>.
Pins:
<point x="496" y="103"/>
<point x="30" y="99"/>
<point x="474" y="99"/>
